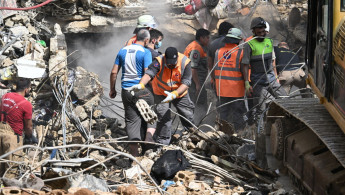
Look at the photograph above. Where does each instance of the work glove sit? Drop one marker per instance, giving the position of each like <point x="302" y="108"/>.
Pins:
<point x="248" y="87"/>
<point x="170" y="96"/>
<point x="136" y="88"/>
<point x="30" y="141"/>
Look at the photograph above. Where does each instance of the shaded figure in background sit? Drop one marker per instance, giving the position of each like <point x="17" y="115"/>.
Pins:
<point x="143" y="22"/>
<point x="229" y="80"/>
<point x="290" y="70"/>
<point x="196" y="51"/>
<point x="156" y="38"/>
<point x="16" y="119"/>
<point x="259" y="54"/>
<point x="217" y="43"/>
<point x="134" y="60"/>
<point x="172" y="75"/>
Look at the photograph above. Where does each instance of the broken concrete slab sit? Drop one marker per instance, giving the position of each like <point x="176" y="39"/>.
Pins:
<point x="90" y="182"/>
<point x="86" y="86"/>
<point x="101" y="20"/>
<point x="19" y="31"/>
<point x="80" y="111"/>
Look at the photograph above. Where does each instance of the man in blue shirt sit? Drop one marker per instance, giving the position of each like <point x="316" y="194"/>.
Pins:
<point x="134" y="60"/>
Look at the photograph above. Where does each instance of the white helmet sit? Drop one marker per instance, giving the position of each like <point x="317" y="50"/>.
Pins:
<point x="146" y="21"/>
<point x="267" y="29"/>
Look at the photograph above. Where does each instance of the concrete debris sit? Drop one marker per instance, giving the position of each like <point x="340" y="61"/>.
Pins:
<point x="135" y="171"/>
<point x="86" y="85"/>
<point x="146" y="112"/>
<point x="184" y="177"/>
<point x="130" y="190"/>
<point x="90" y="182"/>
<point x="85" y="152"/>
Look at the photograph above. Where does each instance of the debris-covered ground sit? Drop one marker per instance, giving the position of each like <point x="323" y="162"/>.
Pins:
<point x="80" y="151"/>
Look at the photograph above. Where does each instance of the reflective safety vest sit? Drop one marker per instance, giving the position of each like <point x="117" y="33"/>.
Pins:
<point x="169" y="79"/>
<point x="228" y="75"/>
<point x="131" y="40"/>
<point x="202" y="63"/>
<point x="195" y="46"/>
<point x="261" y="50"/>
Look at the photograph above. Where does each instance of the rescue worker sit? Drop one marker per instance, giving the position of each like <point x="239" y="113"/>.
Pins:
<point x="290" y="70"/>
<point x="156" y="38"/>
<point x="172" y="77"/>
<point x="144" y="22"/>
<point x="134" y="60"/>
<point x="196" y="51"/>
<point x="259" y="54"/>
<point x="16" y="121"/>
<point x="250" y="101"/>
<point x="229" y="80"/>
<point x="217" y="43"/>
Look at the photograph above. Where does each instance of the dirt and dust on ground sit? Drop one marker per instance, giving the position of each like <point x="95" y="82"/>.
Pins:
<point x="68" y="48"/>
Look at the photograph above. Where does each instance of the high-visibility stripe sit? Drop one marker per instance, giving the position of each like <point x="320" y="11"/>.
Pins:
<point x="267" y="56"/>
<point x="227" y="69"/>
<point x="229" y="78"/>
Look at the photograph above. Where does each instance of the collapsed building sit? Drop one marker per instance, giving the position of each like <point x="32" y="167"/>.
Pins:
<point x="83" y="151"/>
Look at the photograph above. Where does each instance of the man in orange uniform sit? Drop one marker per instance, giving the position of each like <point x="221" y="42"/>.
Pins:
<point x="172" y="75"/>
<point x="144" y="22"/>
<point x="229" y="80"/>
<point x="196" y="51"/>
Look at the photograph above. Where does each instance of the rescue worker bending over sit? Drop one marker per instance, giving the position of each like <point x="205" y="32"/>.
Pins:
<point x="16" y="119"/>
<point x="259" y="54"/>
<point x="134" y="60"/>
<point x="144" y="22"/>
<point x="290" y="70"/>
<point x="196" y="51"/>
<point x="172" y="77"/>
<point x="229" y="80"/>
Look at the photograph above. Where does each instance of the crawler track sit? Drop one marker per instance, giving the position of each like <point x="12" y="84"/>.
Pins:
<point x="311" y="144"/>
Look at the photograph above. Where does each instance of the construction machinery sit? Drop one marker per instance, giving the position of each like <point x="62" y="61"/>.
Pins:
<point x="308" y="134"/>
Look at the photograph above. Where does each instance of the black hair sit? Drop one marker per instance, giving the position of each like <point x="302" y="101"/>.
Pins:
<point x="201" y="33"/>
<point x="137" y="29"/>
<point x="22" y="83"/>
<point x="143" y="34"/>
<point x="224" y="28"/>
<point x="155" y="34"/>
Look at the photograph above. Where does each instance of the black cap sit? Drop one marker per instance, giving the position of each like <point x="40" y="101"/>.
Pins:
<point x="258" y="22"/>
<point x="171" y="55"/>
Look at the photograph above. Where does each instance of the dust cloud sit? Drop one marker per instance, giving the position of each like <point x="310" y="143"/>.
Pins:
<point x="97" y="51"/>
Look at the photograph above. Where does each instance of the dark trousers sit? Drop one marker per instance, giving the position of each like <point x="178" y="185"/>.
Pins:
<point x="232" y="112"/>
<point x="184" y="107"/>
<point x="135" y="125"/>
<point x="263" y="94"/>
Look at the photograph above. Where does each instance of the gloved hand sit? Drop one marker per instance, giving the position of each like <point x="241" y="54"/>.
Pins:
<point x="136" y="88"/>
<point x="170" y="96"/>
<point x="29" y="141"/>
<point x="248" y="88"/>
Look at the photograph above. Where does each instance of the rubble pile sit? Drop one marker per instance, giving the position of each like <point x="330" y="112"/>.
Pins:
<point x="80" y="151"/>
<point x="91" y="15"/>
<point x="20" y="47"/>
